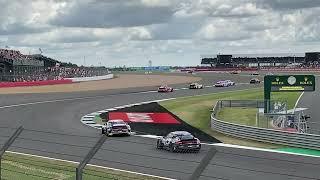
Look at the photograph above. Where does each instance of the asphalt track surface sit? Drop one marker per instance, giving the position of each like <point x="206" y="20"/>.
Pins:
<point x="311" y="100"/>
<point x="53" y="128"/>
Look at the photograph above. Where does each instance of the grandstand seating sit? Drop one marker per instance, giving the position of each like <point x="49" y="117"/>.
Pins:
<point x="16" y="67"/>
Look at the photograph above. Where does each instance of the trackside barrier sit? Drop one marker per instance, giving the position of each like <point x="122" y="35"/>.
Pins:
<point x="88" y="157"/>
<point x="311" y="141"/>
<point x="8" y="144"/>
<point x="94" y="78"/>
<point x="35" y="83"/>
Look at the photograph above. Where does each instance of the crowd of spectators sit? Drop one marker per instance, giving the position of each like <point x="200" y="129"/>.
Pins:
<point x="57" y="73"/>
<point x="50" y="69"/>
<point x="11" y="54"/>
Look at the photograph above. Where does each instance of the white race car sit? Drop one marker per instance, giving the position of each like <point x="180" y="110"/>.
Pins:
<point x="221" y="84"/>
<point x="195" y="86"/>
<point x="115" y="127"/>
<point x="230" y="83"/>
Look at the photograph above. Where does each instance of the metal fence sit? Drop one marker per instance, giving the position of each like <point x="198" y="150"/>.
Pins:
<point x="79" y="150"/>
<point x="16" y="165"/>
<point x="263" y="132"/>
<point x="275" y="106"/>
<point x="85" y="149"/>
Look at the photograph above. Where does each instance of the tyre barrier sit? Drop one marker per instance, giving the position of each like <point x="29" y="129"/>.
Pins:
<point x="300" y="140"/>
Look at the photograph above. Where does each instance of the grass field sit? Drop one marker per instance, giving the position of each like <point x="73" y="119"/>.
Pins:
<point x="239" y="115"/>
<point x="17" y="166"/>
<point x="196" y="111"/>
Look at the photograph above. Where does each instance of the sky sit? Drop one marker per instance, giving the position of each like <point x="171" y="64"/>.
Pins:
<point x="167" y="32"/>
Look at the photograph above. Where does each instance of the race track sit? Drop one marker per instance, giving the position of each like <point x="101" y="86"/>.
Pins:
<point x="311" y="100"/>
<point x="53" y="128"/>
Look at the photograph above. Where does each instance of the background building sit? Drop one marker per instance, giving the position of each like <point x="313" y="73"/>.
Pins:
<point x="310" y="59"/>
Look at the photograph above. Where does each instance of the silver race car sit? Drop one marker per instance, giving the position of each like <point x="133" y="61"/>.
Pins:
<point x="195" y="86"/>
<point x="116" y="127"/>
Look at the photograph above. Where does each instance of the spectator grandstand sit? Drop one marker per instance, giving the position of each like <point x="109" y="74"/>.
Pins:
<point x="310" y="60"/>
<point x="16" y="67"/>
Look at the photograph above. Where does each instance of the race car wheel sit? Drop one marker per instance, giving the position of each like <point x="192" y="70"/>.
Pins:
<point x="159" y="145"/>
<point x="102" y="131"/>
<point x="171" y="90"/>
<point x="172" y="148"/>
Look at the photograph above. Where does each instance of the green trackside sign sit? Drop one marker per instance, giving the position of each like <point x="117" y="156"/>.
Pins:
<point x="286" y="83"/>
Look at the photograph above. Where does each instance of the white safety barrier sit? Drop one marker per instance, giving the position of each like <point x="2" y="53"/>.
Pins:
<point x="94" y="78"/>
<point x="311" y="141"/>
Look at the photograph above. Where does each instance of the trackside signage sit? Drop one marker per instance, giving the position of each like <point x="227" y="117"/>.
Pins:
<point x="286" y="83"/>
<point x="290" y="83"/>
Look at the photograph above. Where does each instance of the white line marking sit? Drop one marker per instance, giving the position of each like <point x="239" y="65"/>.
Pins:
<point x="297" y="102"/>
<point x="261" y="149"/>
<point x="67" y="99"/>
<point x="217" y="93"/>
<point x="43" y="102"/>
<point x="147" y="92"/>
<point x="236" y="146"/>
<point x="102" y="111"/>
<point x="92" y="165"/>
<point x="149" y="136"/>
<point x="95" y="113"/>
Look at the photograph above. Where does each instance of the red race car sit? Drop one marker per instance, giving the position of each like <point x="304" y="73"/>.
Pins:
<point x="165" y="88"/>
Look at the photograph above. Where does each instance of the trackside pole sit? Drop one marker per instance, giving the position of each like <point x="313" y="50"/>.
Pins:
<point x="203" y="164"/>
<point x="89" y="156"/>
<point x="8" y="144"/>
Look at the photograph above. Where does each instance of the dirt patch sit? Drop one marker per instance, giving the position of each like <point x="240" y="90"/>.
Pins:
<point x="122" y="81"/>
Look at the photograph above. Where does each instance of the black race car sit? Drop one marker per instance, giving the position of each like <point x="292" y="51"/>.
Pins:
<point x="254" y="81"/>
<point x="179" y="141"/>
<point x="255" y="74"/>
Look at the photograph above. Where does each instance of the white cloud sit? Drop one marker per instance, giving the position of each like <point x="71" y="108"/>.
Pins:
<point x="130" y="32"/>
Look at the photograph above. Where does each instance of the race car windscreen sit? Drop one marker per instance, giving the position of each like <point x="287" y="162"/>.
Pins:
<point x="186" y="137"/>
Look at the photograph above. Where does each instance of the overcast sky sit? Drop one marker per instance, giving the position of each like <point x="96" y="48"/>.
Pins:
<point x="167" y="32"/>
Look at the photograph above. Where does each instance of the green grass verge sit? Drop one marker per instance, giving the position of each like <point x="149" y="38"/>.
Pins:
<point x="196" y="112"/>
<point x="239" y="115"/>
<point x="301" y="151"/>
<point x="97" y="119"/>
<point x="17" y="166"/>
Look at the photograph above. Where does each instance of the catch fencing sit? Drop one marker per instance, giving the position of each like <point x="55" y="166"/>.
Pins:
<point x="17" y="165"/>
<point x="70" y="160"/>
<point x="129" y="154"/>
<point x="264" y="133"/>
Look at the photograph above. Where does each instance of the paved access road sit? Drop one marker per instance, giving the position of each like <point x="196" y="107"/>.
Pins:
<point x="53" y="128"/>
